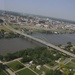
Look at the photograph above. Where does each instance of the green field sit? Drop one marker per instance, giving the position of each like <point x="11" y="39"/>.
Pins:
<point x="42" y="69"/>
<point x="2" y="72"/>
<point x="15" y="65"/>
<point x="70" y="65"/>
<point x="73" y="60"/>
<point x="25" y="72"/>
<point x="4" y="28"/>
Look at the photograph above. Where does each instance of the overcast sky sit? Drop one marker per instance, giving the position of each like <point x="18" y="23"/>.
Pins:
<point x="53" y="8"/>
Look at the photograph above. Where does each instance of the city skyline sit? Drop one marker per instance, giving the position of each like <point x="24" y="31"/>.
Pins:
<point x="51" y="8"/>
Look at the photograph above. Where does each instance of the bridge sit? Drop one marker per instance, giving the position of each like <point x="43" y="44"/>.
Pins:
<point x="40" y="41"/>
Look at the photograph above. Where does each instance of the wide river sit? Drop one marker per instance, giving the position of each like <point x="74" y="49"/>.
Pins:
<point x="12" y="45"/>
<point x="56" y="38"/>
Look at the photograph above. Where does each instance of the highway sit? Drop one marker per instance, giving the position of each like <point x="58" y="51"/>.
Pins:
<point x="40" y="41"/>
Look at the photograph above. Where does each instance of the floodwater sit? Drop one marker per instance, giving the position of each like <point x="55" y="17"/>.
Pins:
<point x="56" y="39"/>
<point x="16" y="44"/>
<point x="13" y="45"/>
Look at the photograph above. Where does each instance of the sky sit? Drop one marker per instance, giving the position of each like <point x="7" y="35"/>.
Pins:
<point x="64" y="9"/>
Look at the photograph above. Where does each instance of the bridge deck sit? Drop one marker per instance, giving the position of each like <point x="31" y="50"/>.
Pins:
<point x="41" y="41"/>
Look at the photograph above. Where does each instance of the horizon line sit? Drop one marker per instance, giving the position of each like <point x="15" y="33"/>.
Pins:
<point x="23" y="14"/>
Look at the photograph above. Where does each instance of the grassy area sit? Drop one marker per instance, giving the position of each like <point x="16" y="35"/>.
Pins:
<point x="25" y="72"/>
<point x="15" y="65"/>
<point x="42" y="69"/>
<point x="73" y="60"/>
<point x="70" y="66"/>
<point x="52" y="64"/>
<point x="2" y="72"/>
<point x="4" y="28"/>
<point x="63" y="30"/>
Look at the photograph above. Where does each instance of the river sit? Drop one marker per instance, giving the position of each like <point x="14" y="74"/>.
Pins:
<point x="16" y="44"/>
<point x="56" y="39"/>
<point x="13" y="45"/>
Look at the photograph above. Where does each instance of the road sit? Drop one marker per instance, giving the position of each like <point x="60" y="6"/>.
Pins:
<point x="40" y="41"/>
<point x="8" y="70"/>
<point x="14" y="73"/>
<point x="64" y="62"/>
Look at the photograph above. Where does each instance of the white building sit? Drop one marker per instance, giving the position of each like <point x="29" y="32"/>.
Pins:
<point x="38" y="67"/>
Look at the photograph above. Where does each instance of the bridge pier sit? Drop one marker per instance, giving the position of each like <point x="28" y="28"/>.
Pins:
<point x="48" y="47"/>
<point x="30" y="39"/>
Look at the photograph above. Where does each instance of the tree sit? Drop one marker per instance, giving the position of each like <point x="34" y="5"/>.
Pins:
<point x="1" y="21"/>
<point x="26" y="59"/>
<point x="61" y="65"/>
<point x="66" y="71"/>
<point x="57" y="72"/>
<point x="49" y="72"/>
<point x="1" y="57"/>
<point x="74" y="50"/>
<point x="9" y="57"/>
<point x="2" y="32"/>
<point x="69" y="44"/>
<point x="71" y="73"/>
<point x="1" y="66"/>
<point x="59" y="45"/>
